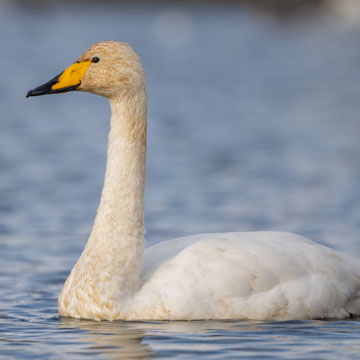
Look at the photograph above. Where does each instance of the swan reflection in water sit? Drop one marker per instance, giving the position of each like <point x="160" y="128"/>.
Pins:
<point x="143" y="340"/>
<point x="112" y="340"/>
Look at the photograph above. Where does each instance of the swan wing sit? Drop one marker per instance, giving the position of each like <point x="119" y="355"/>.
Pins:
<point x="258" y="275"/>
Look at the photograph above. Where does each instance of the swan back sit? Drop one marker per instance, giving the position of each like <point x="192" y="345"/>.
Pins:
<point x="258" y="275"/>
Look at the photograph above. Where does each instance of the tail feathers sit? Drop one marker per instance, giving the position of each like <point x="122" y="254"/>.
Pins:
<point x="352" y="306"/>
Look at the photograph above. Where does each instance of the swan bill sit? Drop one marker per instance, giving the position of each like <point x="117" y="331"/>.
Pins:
<point x="68" y="80"/>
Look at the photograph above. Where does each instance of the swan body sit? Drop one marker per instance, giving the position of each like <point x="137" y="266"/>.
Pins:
<point x="248" y="275"/>
<point x="258" y="275"/>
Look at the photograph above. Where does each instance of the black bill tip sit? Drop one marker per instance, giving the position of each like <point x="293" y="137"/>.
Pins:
<point x="46" y="88"/>
<point x="33" y="92"/>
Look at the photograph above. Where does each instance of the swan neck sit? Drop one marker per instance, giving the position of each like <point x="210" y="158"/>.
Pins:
<point x="116" y="243"/>
<point x="122" y="201"/>
<point x="128" y="119"/>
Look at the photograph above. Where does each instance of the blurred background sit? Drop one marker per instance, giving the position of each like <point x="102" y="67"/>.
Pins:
<point x="254" y="124"/>
<point x="253" y="121"/>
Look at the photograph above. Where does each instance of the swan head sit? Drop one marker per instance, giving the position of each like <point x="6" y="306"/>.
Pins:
<point x="110" y="69"/>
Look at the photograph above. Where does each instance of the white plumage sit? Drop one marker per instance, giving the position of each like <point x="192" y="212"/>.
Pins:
<point x="249" y="275"/>
<point x="257" y="275"/>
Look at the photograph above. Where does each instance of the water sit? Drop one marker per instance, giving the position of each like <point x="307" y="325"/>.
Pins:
<point x="253" y="125"/>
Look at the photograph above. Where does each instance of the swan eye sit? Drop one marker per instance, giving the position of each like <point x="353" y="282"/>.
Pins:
<point x="95" y="59"/>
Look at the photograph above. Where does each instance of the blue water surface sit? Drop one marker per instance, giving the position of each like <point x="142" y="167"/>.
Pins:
<point x="254" y="124"/>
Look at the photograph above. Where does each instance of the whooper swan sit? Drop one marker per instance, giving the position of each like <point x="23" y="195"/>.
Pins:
<point x="249" y="275"/>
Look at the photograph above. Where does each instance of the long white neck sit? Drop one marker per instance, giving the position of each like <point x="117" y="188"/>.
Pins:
<point x="120" y="216"/>
<point x="119" y="224"/>
<point x="108" y="271"/>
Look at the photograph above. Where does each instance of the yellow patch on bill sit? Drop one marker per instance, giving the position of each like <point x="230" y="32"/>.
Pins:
<point x="72" y="75"/>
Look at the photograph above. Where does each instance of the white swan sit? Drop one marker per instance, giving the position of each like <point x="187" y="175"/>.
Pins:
<point x="257" y="275"/>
